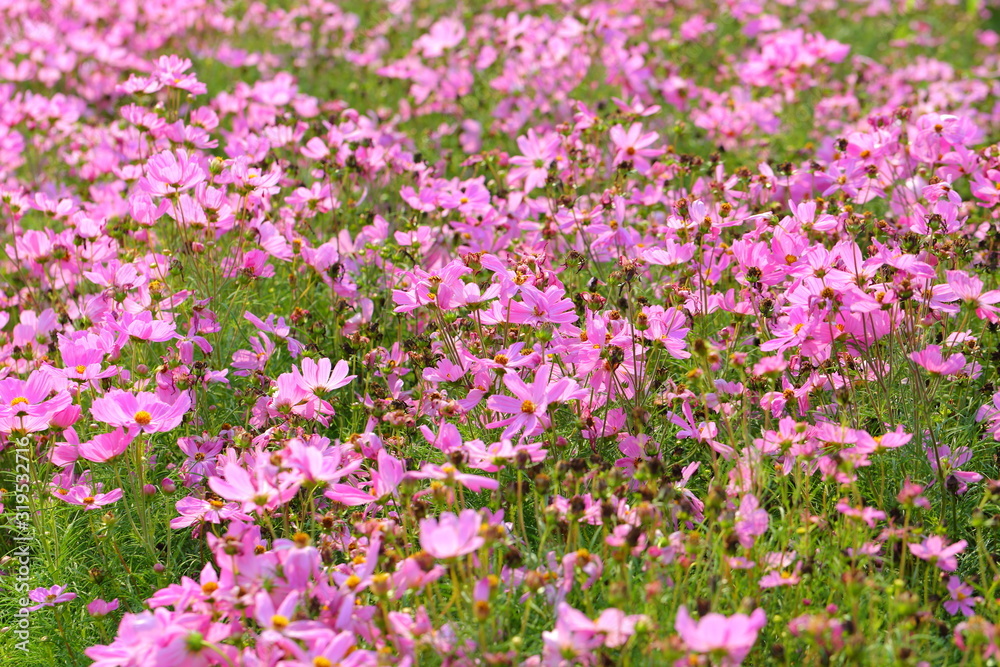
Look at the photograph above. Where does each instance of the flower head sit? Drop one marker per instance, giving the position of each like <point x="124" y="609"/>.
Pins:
<point x="49" y="597"/>
<point x="141" y="412"/>
<point x="729" y="639"/>
<point x="451" y="535"/>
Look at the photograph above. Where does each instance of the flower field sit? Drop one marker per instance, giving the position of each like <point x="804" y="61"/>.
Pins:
<point x="528" y="333"/>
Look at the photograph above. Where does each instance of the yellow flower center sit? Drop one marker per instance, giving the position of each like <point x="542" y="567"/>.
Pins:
<point x="528" y="407"/>
<point x="81" y="369"/>
<point x="89" y="500"/>
<point x="320" y="661"/>
<point x="143" y="418"/>
<point x="209" y="587"/>
<point x="280" y="622"/>
<point x="18" y="400"/>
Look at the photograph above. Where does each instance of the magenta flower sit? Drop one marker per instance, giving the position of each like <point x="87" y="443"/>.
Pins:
<point x="869" y="515"/>
<point x="99" y="607"/>
<point x="87" y="497"/>
<point x="751" y="520"/>
<point x="538" y="307"/>
<point x="194" y="510"/>
<point x="962" y="600"/>
<point x="450" y="536"/>
<point x="447" y="472"/>
<point x="322" y="377"/>
<point x="934" y="551"/>
<point x="634" y="146"/>
<point x="169" y="173"/>
<point x="83" y="358"/>
<point x="777" y="578"/>
<point x="258" y="489"/>
<point x="528" y="405"/>
<point x="727" y="639"/>
<point x="532" y="166"/>
<point x="142" y="326"/>
<point x="141" y="412"/>
<point x="316" y="461"/>
<point x="30" y="405"/>
<point x="930" y="359"/>
<point x="277" y="621"/>
<point x="969" y="289"/>
<point x="154" y="638"/>
<point x="49" y="597"/>
<point x="171" y="71"/>
<point x="106" y="446"/>
<point x="573" y="640"/>
<point x="247" y="361"/>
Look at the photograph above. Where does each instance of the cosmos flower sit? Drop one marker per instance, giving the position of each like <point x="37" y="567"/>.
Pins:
<point x="726" y="639"/>
<point x="937" y="551"/>
<point x="49" y="597"/>
<point x="140" y="412"/>
<point x="450" y="535"/>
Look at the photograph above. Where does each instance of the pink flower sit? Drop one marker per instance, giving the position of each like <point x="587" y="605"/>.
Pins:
<point x="99" y="607"/>
<point x="257" y="490"/>
<point x="293" y="397"/>
<point x="529" y="404"/>
<point x="751" y="521"/>
<point x="869" y="515"/>
<point x="169" y="173"/>
<point x="450" y="536"/>
<point x="538" y="307"/>
<point x="49" y="597"/>
<point x="322" y="377"/>
<point x="727" y="639"/>
<point x="141" y="412"/>
<point x="171" y="71"/>
<point x="934" y="551"/>
<point x="970" y="290"/>
<point x="930" y="359"/>
<point x="195" y="510"/>
<point x="276" y="621"/>
<point x="316" y="461"/>
<point x="247" y="361"/>
<point x="779" y="578"/>
<point x="633" y="146"/>
<point x="446" y="472"/>
<point x="910" y="495"/>
<point x="962" y="601"/>
<point x="106" y="446"/>
<point x="446" y="33"/>
<point x="142" y="326"/>
<point x="87" y="497"/>
<point x="532" y="166"/>
<point x="573" y="640"/>
<point x="30" y="405"/>
<point x="158" y="637"/>
<point x="617" y="627"/>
